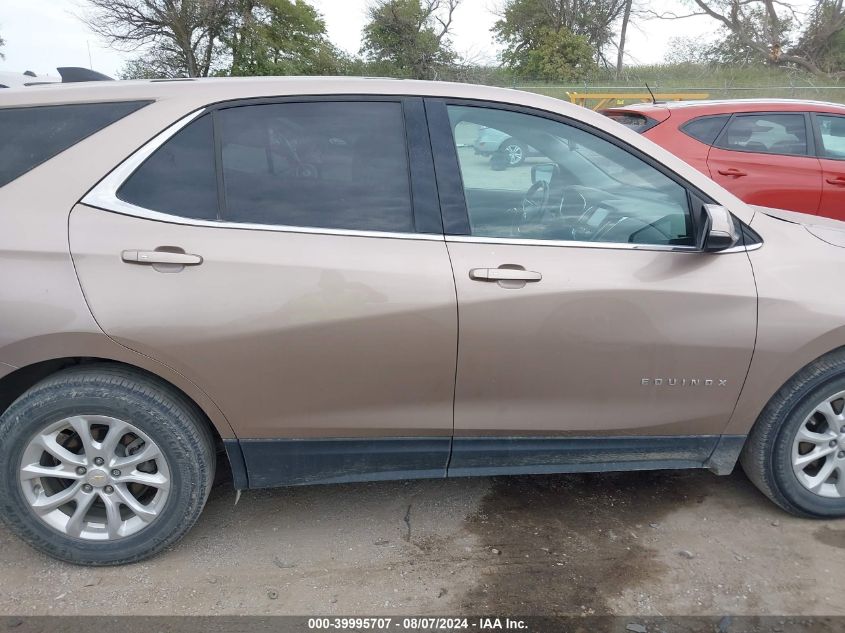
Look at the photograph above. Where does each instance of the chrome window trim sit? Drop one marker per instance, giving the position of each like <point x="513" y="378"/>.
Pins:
<point x="740" y="248"/>
<point x="571" y="244"/>
<point x="601" y="245"/>
<point x="104" y="196"/>
<point x="140" y="212"/>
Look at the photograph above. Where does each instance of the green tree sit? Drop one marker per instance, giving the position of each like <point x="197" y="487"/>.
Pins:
<point x="410" y="37"/>
<point x="198" y="38"/>
<point x="157" y="62"/>
<point x="280" y="37"/>
<point x="522" y="23"/>
<point x="540" y="44"/>
<point x="553" y="56"/>
<point x="823" y="37"/>
<point x="183" y="34"/>
<point x="774" y="32"/>
<point x="2" y="44"/>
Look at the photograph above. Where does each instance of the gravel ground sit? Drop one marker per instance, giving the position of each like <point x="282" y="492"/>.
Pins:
<point x="650" y="543"/>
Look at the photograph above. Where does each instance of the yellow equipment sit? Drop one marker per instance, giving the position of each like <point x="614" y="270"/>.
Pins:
<point x="605" y="99"/>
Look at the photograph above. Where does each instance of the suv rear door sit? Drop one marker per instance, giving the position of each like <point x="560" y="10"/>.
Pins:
<point x="830" y="133"/>
<point x="287" y="257"/>
<point x="766" y="158"/>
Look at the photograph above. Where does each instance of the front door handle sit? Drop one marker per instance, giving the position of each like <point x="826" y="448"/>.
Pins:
<point x="736" y="173"/>
<point x="161" y="257"/>
<point x="504" y="274"/>
<point x="838" y="180"/>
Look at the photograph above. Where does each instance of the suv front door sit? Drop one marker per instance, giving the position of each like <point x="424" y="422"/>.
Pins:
<point x="277" y="255"/>
<point x="592" y="330"/>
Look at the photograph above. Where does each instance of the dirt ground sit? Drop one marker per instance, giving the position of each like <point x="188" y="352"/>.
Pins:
<point x="651" y="543"/>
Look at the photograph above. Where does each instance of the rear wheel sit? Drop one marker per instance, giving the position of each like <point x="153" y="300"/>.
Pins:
<point x="796" y="451"/>
<point x="103" y="466"/>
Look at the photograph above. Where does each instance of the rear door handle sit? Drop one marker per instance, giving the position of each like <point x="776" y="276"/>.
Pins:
<point x="161" y="257"/>
<point x="503" y="274"/>
<point x="736" y="173"/>
<point x="838" y="180"/>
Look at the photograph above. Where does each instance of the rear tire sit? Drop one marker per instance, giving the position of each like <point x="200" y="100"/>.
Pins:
<point x="795" y="453"/>
<point x="120" y="509"/>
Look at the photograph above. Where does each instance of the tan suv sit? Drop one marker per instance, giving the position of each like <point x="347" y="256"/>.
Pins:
<point x="319" y="280"/>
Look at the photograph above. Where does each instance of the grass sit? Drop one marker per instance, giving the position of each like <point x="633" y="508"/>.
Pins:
<point x="718" y="82"/>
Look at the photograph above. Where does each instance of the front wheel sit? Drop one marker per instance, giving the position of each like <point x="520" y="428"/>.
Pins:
<point x="103" y="466"/>
<point x="513" y="152"/>
<point x="795" y="453"/>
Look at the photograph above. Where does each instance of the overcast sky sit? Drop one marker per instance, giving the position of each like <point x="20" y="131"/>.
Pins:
<point x="43" y="34"/>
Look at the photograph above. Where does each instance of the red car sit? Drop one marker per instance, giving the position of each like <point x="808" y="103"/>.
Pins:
<point x="778" y="153"/>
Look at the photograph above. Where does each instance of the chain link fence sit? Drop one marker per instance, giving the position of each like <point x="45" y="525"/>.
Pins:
<point x="715" y="83"/>
<point x="834" y="94"/>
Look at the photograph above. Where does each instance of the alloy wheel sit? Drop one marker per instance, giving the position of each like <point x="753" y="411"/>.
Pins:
<point x="818" y="450"/>
<point x="514" y="154"/>
<point x="94" y="477"/>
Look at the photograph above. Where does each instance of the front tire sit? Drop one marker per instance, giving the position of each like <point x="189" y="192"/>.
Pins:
<point x="102" y="465"/>
<point x="795" y="454"/>
<point x="513" y="151"/>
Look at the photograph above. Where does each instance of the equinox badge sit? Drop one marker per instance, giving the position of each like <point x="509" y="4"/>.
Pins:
<point x="685" y="382"/>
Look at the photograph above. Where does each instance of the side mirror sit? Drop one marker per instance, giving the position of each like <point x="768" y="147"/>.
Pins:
<point x="720" y="231"/>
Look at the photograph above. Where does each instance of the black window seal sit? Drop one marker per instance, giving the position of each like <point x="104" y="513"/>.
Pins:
<point x="719" y="142"/>
<point x="453" y="201"/>
<point x="217" y="143"/>
<point x="426" y="205"/>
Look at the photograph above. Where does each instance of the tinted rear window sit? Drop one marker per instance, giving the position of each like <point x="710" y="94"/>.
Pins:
<point x="338" y="165"/>
<point x="637" y="122"/>
<point x="706" y="128"/>
<point x="33" y="135"/>
<point x="180" y="177"/>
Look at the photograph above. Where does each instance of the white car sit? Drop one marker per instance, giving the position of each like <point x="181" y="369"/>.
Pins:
<point x="67" y="74"/>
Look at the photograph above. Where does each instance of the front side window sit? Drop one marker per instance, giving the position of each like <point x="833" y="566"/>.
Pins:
<point x="29" y="136"/>
<point x="766" y="134"/>
<point x="338" y="165"/>
<point x="832" y="132"/>
<point x="569" y="185"/>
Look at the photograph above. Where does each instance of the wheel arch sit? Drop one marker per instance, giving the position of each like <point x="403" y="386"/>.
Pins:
<point x="758" y="393"/>
<point x="755" y="398"/>
<point x="15" y="381"/>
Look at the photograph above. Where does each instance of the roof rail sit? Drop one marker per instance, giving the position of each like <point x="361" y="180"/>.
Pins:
<point x="73" y="74"/>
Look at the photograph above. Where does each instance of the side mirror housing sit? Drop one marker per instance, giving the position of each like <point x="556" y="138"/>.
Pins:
<point x="720" y="231"/>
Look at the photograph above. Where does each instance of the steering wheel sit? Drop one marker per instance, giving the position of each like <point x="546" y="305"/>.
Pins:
<point x="577" y="197"/>
<point x="534" y="204"/>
